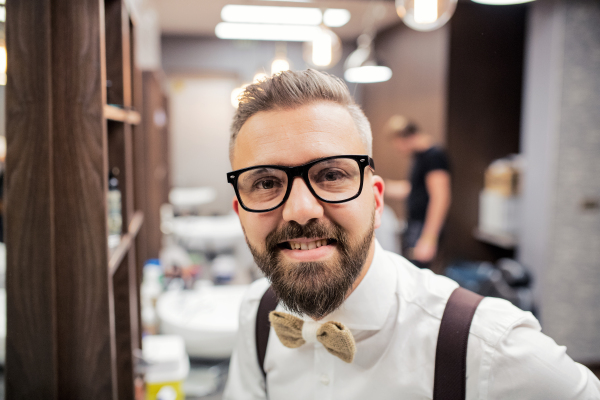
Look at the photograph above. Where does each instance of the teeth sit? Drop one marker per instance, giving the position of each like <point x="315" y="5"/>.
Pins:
<point x="308" y="246"/>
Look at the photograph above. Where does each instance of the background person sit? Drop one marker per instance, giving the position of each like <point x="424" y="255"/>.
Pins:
<point x="427" y="191"/>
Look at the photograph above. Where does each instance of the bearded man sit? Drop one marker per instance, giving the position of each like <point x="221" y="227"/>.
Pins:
<point x="350" y="320"/>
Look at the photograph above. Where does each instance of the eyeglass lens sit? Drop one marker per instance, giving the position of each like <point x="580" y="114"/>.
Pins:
<point x="335" y="179"/>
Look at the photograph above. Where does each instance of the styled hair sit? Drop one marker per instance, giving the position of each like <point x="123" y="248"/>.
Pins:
<point x="401" y="127"/>
<point x="293" y="89"/>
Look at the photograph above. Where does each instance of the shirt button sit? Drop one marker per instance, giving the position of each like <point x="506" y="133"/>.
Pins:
<point x="325" y="379"/>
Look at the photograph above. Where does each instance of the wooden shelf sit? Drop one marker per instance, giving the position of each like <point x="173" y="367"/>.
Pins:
<point x="115" y="113"/>
<point x="507" y="242"/>
<point x="127" y="240"/>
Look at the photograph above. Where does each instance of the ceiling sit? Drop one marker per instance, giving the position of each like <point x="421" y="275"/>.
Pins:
<point x="199" y="17"/>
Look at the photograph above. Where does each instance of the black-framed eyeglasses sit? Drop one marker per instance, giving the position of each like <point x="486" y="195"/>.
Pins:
<point x="335" y="179"/>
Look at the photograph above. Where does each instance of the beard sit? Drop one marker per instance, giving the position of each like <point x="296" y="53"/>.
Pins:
<point x="315" y="288"/>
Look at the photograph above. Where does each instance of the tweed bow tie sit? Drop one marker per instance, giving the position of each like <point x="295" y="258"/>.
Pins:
<point x="294" y="332"/>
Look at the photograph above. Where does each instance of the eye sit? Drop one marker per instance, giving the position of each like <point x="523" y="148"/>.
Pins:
<point x="332" y="176"/>
<point x="266" y="184"/>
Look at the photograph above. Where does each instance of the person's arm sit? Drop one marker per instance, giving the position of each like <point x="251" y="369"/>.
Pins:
<point x="529" y="365"/>
<point x="397" y="190"/>
<point x="438" y="188"/>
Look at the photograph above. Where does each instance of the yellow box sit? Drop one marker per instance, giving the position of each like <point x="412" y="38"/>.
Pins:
<point x="174" y="388"/>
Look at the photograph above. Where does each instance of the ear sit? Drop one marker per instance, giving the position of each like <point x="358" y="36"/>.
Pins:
<point x="378" y="189"/>
<point x="236" y="205"/>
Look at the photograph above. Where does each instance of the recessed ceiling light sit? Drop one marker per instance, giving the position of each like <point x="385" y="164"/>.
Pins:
<point x="501" y="2"/>
<point x="368" y="74"/>
<point x="271" y="15"/>
<point x="284" y="33"/>
<point x="336" y="17"/>
<point x="333" y="17"/>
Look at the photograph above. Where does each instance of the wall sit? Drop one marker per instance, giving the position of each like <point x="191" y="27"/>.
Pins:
<point x="560" y="229"/>
<point x="417" y="89"/>
<point x="213" y="67"/>
<point x="484" y="111"/>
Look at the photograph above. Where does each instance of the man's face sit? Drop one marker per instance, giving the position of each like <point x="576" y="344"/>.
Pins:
<point x="316" y="280"/>
<point x="404" y="145"/>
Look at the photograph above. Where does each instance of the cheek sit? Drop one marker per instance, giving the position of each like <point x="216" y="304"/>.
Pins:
<point x="355" y="216"/>
<point x="257" y="226"/>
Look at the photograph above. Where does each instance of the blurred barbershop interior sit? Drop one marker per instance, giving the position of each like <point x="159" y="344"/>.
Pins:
<point x="122" y="263"/>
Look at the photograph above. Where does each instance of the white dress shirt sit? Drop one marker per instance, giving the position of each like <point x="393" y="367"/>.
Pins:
<point x="395" y="314"/>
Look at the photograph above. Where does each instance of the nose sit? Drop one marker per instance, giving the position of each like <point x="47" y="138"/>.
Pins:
<point x="301" y="206"/>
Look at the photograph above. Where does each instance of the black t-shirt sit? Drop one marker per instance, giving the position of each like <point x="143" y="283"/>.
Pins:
<point x="429" y="160"/>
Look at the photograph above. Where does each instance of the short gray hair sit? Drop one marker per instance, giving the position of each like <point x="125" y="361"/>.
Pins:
<point x="293" y="89"/>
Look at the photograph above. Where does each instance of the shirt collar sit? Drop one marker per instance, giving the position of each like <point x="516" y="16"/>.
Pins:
<point x="368" y="306"/>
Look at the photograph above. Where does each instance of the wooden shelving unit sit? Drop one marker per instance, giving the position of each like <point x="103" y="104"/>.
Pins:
<point x="75" y="111"/>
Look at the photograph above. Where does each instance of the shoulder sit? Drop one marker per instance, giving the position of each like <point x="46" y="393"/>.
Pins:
<point x="495" y="318"/>
<point x="421" y="288"/>
<point x="437" y="158"/>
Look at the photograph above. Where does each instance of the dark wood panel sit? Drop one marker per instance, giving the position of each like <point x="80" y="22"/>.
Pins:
<point x="31" y="370"/>
<point x="123" y="330"/>
<point x="71" y="191"/>
<point x="139" y="171"/>
<point x="117" y="56"/>
<point x="157" y="150"/>
<point x="120" y="164"/>
<point x="484" y="111"/>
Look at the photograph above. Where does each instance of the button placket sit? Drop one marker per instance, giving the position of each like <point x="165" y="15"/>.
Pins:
<point x="323" y="373"/>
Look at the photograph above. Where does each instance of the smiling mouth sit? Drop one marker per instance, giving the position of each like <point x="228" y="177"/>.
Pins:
<point x="306" y="245"/>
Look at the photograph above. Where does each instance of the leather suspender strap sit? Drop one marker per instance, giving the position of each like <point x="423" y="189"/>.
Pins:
<point x="267" y="304"/>
<point x="451" y="351"/>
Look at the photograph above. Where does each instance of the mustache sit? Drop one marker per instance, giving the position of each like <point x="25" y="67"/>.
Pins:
<point x="312" y="230"/>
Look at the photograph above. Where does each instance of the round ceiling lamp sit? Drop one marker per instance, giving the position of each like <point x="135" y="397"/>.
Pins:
<point x="425" y="15"/>
<point x="501" y="2"/>
<point x="361" y="65"/>
<point x="324" y="51"/>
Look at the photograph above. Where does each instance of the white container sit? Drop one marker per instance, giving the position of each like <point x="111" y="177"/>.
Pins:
<point x="168" y="365"/>
<point x="498" y="214"/>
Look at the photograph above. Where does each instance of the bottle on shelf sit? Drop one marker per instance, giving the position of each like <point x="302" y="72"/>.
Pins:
<point x="115" y="219"/>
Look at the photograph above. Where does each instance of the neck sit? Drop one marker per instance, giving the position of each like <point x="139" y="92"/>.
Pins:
<point x="423" y="142"/>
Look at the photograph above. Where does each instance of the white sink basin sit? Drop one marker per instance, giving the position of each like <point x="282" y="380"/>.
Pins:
<point x="207" y="318"/>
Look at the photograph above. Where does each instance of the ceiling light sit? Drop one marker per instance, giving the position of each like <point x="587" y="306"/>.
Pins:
<point x="501" y="2"/>
<point x="425" y="15"/>
<point x="235" y="95"/>
<point x="336" y="17"/>
<point x="285" y="33"/>
<point x="324" y="51"/>
<point x="259" y="77"/>
<point x="368" y="74"/>
<point x="271" y="15"/>
<point x="279" y="65"/>
<point x="361" y="66"/>
<point x="2" y="65"/>
<point x="321" y="49"/>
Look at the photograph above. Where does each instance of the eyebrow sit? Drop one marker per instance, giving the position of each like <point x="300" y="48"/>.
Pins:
<point x="295" y="165"/>
<point x="257" y="171"/>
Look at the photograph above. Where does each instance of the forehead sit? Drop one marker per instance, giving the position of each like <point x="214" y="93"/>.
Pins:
<point x="296" y="136"/>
